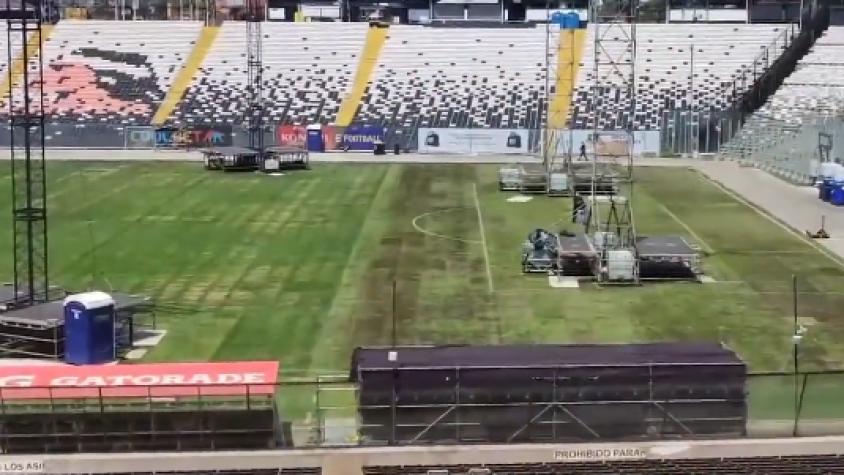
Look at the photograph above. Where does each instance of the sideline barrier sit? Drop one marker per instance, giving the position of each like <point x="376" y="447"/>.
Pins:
<point x="504" y="141"/>
<point x="361" y="137"/>
<point x="610" y="142"/>
<point x="448" y="140"/>
<point x="193" y="137"/>
<point x="140" y="138"/>
<point x="355" y="138"/>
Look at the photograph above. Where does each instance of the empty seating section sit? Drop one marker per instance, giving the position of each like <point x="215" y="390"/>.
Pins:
<point x="308" y="68"/>
<point x="815" y="90"/>
<point x="460" y="77"/>
<point x="119" y="72"/>
<point x="816" y="86"/>
<point x="666" y="57"/>
<point x="796" y="465"/>
<point x="112" y="72"/>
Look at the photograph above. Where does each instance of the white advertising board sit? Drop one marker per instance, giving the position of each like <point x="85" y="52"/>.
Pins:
<point x="702" y="15"/>
<point x="473" y="140"/>
<point x="609" y="143"/>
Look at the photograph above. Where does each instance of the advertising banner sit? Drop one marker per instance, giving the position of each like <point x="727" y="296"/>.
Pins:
<point x="193" y="137"/>
<point x="296" y="136"/>
<point x="290" y="136"/>
<point x="608" y="143"/>
<point x="473" y="140"/>
<point x="140" y="137"/>
<point x="361" y="137"/>
<point x="140" y="380"/>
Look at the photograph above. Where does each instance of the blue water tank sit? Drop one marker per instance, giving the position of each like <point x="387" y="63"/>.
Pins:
<point x="826" y="189"/>
<point x="836" y="197"/>
<point x="315" y="141"/>
<point x="89" y="329"/>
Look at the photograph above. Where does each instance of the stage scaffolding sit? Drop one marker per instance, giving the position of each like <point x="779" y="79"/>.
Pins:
<point x="610" y="223"/>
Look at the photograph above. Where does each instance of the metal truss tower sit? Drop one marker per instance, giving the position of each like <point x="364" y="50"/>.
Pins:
<point x="255" y="70"/>
<point x="25" y="100"/>
<point x="613" y="101"/>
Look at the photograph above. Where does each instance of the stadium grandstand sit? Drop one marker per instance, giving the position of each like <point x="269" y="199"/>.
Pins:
<point x="102" y="76"/>
<point x="367" y="315"/>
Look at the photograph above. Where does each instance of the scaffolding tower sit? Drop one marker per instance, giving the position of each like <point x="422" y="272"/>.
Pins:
<point x="25" y="100"/>
<point x="254" y="68"/>
<point x="610" y="225"/>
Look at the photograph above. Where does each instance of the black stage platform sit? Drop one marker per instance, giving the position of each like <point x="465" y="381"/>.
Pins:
<point x="7" y="296"/>
<point x="581" y="180"/>
<point x="286" y="158"/>
<point x="577" y="255"/>
<point x="666" y="258"/>
<point x="660" y="257"/>
<point x="533" y="178"/>
<point x="664" y="246"/>
<point x="230" y="158"/>
<point x="246" y="159"/>
<point x="38" y="330"/>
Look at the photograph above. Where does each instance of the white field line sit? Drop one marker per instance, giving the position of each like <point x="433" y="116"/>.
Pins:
<point x="415" y="223"/>
<point x="490" y="285"/>
<point x="706" y="247"/>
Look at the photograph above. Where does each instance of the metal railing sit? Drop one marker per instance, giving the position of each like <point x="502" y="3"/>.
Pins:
<point x="324" y="411"/>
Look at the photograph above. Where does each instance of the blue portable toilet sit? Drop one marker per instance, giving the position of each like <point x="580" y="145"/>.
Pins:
<point x="836" y="196"/>
<point x="89" y="329"/>
<point x="571" y="21"/>
<point x="315" y="141"/>
<point x="826" y="189"/>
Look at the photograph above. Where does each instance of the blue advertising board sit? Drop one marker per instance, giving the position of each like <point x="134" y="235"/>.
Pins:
<point x="193" y="137"/>
<point x="362" y="137"/>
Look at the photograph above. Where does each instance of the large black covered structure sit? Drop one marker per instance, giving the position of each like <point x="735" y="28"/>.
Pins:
<point x="540" y="393"/>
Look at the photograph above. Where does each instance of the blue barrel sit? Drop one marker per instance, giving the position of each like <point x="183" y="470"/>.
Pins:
<point x="571" y="21"/>
<point x="836" y="197"/>
<point x="826" y="189"/>
<point x="557" y="18"/>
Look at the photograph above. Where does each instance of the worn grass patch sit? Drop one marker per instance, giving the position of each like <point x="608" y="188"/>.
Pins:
<point x="302" y="269"/>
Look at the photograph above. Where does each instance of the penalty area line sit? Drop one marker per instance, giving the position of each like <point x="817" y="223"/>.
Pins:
<point x="706" y="247"/>
<point x="490" y="285"/>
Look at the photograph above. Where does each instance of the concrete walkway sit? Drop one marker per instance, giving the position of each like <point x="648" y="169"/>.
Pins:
<point x="797" y="208"/>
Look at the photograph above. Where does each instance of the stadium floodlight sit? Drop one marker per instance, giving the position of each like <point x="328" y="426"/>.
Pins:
<point x="28" y="169"/>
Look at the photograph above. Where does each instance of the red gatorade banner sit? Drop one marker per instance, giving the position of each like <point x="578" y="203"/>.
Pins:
<point x="143" y="380"/>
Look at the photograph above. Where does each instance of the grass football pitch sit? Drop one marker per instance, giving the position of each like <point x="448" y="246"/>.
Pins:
<point x="300" y="268"/>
